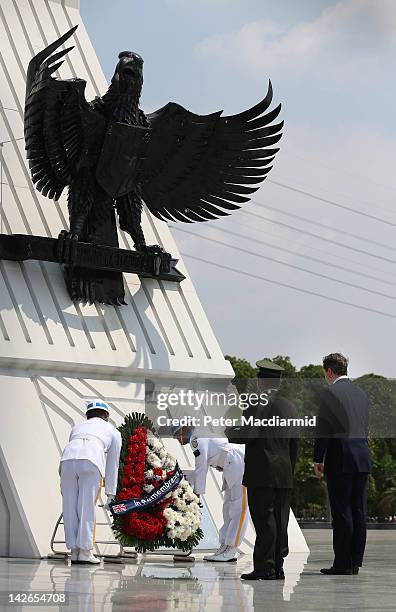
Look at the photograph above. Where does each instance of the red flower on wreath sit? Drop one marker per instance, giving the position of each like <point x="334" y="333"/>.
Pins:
<point x="143" y="525"/>
<point x="132" y="479"/>
<point x="129" y="493"/>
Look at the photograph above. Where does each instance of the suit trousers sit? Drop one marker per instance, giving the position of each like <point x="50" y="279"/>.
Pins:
<point x="348" y="503"/>
<point x="80" y="486"/>
<point x="269" y="509"/>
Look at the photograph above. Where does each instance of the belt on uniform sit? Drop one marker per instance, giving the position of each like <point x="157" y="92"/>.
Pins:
<point x="88" y="437"/>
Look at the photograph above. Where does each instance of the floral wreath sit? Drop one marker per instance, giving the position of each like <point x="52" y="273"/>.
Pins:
<point x="173" y="521"/>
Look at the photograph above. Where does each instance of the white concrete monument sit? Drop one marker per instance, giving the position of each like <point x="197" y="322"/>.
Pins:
<point x="55" y="354"/>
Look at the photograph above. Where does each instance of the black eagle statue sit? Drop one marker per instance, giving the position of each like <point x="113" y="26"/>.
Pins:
<point x="113" y="157"/>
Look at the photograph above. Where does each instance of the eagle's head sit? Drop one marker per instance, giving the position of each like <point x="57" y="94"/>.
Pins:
<point x="128" y="75"/>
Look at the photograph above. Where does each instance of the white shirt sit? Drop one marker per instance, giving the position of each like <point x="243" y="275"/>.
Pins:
<point x="102" y="447"/>
<point x="339" y="378"/>
<point x="215" y="452"/>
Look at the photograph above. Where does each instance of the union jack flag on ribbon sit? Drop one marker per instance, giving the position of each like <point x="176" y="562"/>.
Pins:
<point x="119" y="508"/>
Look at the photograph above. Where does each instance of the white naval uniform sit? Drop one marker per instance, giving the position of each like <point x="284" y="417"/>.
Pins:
<point x="93" y="452"/>
<point x="218" y="452"/>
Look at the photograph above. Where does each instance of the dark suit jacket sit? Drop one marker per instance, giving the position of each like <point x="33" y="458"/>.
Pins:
<point x="342" y="429"/>
<point x="270" y="453"/>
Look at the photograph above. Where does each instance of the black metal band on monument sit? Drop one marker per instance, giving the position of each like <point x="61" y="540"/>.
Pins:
<point x="19" y="247"/>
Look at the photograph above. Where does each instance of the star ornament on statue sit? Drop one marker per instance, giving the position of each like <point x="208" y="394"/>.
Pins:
<point x="112" y="157"/>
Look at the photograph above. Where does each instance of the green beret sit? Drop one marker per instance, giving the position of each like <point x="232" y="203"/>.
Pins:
<point x="267" y="364"/>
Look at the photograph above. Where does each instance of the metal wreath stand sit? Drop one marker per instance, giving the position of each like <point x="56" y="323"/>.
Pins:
<point x="123" y="556"/>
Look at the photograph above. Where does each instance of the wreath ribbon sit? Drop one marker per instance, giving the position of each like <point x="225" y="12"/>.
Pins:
<point x="169" y="484"/>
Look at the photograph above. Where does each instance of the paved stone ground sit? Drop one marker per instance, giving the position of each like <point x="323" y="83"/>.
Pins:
<point x="156" y="584"/>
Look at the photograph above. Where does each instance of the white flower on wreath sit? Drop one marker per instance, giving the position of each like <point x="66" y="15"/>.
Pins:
<point x="155" y="444"/>
<point x="181" y="504"/>
<point x="153" y="460"/>
<point x="181" y="524"/>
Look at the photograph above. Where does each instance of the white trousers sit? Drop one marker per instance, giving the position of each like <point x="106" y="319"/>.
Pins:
<point x="235" y="515"/>
<point x="80" y="487"/>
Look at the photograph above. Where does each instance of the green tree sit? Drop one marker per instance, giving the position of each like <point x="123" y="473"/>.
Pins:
<point x="241" y="367"/>
<point x="286" y="364"/>
<point x="386" y="503"/>
<point x="311" y="371"/>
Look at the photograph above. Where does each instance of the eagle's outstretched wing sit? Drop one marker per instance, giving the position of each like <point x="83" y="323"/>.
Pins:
<point x="53" y="131"/>
<point x="199" y="167"/>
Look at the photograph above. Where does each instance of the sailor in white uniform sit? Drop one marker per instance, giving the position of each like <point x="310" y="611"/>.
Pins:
<point x="220" y="454"/>
<point x="92" y="453"/>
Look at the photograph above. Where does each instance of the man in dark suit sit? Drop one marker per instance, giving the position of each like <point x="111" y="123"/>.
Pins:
<point x="341" y="452"/>
<point x="270" y="457"/>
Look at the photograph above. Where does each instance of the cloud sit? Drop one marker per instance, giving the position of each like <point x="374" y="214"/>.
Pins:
<point x="345" y="36"/>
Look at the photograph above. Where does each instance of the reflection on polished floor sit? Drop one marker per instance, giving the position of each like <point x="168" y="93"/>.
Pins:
<point x="157" y="584"/>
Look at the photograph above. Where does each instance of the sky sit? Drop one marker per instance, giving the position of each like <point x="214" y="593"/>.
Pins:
<point x="333" y="66"/>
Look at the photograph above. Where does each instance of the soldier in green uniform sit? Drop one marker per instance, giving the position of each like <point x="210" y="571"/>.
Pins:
<point x="270" y="457"/>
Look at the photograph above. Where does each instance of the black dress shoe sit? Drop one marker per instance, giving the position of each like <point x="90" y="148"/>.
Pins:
<point x="279" y="574"/>
<point x="270" y="575"/>
<point x="336" y="571"/>
<point x="355" y="569"/>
